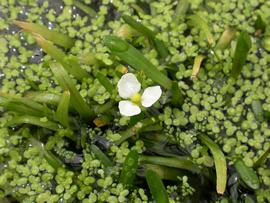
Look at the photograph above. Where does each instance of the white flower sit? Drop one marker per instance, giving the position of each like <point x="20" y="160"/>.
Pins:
<point x="128" y="88"/>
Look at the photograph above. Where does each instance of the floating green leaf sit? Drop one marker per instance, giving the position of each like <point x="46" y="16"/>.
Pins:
<point x="220" y="163"/>
<point x="133" y="57"/>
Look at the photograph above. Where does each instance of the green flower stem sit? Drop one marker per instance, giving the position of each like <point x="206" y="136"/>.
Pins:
<point x="156" y="187"/>
<point x="75" y="98"/>
<point x="159" y="45"/>
<point x="133" y="57"/>
<point x="68" y="63"/>
<point x="51" y="35"/>
<point x="240" y="55"/>
<point x="179" y="162"/>
<point x="220" y="163"/>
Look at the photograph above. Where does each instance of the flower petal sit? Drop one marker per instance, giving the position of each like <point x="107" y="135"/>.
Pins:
<point x="151" y="95"/>
<point x="128" y="85"/>
<point x="127" y="108"/>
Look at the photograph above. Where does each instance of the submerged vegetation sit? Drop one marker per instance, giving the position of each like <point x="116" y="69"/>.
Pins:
<point x="75" y="128"/>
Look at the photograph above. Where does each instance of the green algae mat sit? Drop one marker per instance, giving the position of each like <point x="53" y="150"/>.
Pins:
<point x="134" y="101"/>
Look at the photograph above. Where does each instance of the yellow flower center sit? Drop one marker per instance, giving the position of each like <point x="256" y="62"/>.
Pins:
<point x="136" y="98"/>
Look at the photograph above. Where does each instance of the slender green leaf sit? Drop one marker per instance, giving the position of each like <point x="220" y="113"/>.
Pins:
<point x="198" y="21"/>
<point x="196" y="66"/>
<point x="62" y="109"/>
<point x="133" y="57"/>
<point x="75" y="98"/>
<point x="51" y="35"/>
<point x="240" y="55"/>
<point x="55" y="162"/>
<point x="86" y="9"/>
<point x="179" y="162"/>
<point x="220" y="163"/>
<point x="130" y="166"/>
<point x="262" y="158"/>
<point x="159" y="45"/>
<point x="260" y="24"/>
<point x="43" y="97"/>
<point x="166" y="173"/>
<point x="105" y="82"/>
<point x="247" y="174"/>
<point x="181" y="9"/>
<point x="38" y="121"/>
<point x="25" y="106"/>
<point x="101" y="156"/>
<point x="256" y="107"/>
<point x="225" y="40"/>
<point x="156" y="187"/>
<point x="56" y="53"/>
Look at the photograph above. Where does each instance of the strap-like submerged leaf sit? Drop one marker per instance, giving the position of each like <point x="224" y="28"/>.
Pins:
<point x="38" y="121"/>
<point x="105" y="82"/>
<point x="51" y="35"/>
<point x="179" y="162"/>
<point x="240" y="55"/>
<point x="25" y="106"/>
<point x="220" y="163"/>
<point x="247" y="174"/>
<point x="101" y="156"/>
<point x="225" y="40"/>
<point x="156" y="187"/>
<point x="66" y="83"/>
<point x="130" y="166"/>
<point x="158" y="44"/>
<point x="198" y="21"/>
<point x="68" y="63"/>
<point x="62" y="109"/>
<point x="136" y="59"/>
